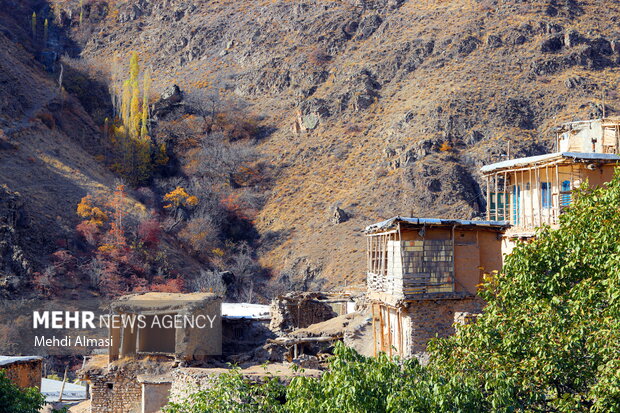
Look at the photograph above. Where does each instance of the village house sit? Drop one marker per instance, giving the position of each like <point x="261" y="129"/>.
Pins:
<point x="198" y="334"/>
<point x="534" y="191"/>
<point x="135" y="375"/>
<point x="23" y="371"/>
<point x="422" y="273"/>
<point x="147" y="365"/>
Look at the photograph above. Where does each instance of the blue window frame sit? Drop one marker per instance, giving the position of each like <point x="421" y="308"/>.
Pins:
<point x="566" y="196"/>
<point x="516" y="204"/>
<point x="545" y="189"/>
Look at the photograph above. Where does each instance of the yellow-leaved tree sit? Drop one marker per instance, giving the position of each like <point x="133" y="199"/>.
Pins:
<point x="135" y="157"/>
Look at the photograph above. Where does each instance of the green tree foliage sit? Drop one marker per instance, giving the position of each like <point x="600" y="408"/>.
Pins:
<point x="233" y="393"/>
<point x="45" y="32"/>
<point x="548" y="341"/>
<point x="33" y="25"/>
<point x="15" y="400"/>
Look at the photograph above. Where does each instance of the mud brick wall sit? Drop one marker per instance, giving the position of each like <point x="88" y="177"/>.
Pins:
<point x="424" y="319"/>
<point x="188" y="381"/>
<point x="25" y="373"/>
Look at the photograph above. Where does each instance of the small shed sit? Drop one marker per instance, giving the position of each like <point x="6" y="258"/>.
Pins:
<point x="23" y="371"/>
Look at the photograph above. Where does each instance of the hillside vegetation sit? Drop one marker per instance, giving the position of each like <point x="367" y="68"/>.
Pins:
<point x="381" y="108"/>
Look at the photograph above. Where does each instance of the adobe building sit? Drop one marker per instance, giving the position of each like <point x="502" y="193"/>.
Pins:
<point x="23" y="371"/>
<point x="198" y="315"/>
<point x="423" y="273"/>
<point x="534" y="191"/>
<point x="136" y="374"/>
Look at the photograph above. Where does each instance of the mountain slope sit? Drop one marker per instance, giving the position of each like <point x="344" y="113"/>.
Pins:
<point x="411" y="98"/>
<point x="46" y="164"/>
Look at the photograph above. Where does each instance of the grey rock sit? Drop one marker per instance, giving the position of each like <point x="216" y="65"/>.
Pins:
<point x="572" y="38"/>
<point x="552" y="44"/>
<point x="368" y="26"/>
<point x="493" y="41"/>
<point x="339" y="216"/>
<point x="468" y="45"/>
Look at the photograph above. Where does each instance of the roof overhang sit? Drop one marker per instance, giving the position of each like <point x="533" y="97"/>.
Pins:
<point x="550" y="158"/>
<point x="393" y="223"/>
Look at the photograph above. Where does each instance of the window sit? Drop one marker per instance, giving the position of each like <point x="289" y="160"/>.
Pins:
<point x="516" y="204"/>
<point x="565" y="199"/>
<point x="498" y="205"/>
<point x="545" y="189"/>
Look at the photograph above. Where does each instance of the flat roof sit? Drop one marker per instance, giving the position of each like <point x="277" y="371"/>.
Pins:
<point x="393" y="222"/>
<point x="246" y="310"/>
<point x="6" y="360"/>
<point x="575" y="156"/>
<point x="158" y="302"/>
<point x="51" y="390"/>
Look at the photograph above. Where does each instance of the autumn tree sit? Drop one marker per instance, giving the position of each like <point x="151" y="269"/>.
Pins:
<point x="136" y="157"/>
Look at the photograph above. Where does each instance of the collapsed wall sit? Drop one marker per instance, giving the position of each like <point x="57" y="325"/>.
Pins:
<point x="299" y="310"/>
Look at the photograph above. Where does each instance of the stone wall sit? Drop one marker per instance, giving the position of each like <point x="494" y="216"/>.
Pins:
<point x="25" y="373"/>
<point x="189" y="380"/>
<point x="299" y="310"/>
<point x="118" y="391"/>
<point x="424" y="319"/>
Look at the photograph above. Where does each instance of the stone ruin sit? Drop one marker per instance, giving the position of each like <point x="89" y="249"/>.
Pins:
<point x="299" y="310"/>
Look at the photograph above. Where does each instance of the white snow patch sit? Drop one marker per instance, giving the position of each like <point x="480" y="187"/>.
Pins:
<point x="51" y="390"/>
<point x="245" y="310"/>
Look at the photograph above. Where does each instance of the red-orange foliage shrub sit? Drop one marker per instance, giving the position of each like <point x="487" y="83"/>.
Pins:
<point x="89" y="231"/>
<point x="173" y="285"/>
<point x="149" y="232"/>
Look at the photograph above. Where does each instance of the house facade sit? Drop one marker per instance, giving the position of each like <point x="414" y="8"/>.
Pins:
<point x="424" y="273"/>
<point x="534" y="191"/>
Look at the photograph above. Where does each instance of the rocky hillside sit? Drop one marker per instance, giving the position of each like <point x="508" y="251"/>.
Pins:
<point x="46" y="162"/>
<point x="374" y="107"/>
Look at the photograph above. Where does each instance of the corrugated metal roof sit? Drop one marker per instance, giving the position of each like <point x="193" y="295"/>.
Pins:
<point x="607" y="157"/>
<point x="392" y="222"/>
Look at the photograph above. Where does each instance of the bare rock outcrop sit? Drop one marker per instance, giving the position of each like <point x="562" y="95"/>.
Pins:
<point x="14" y="267"/>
